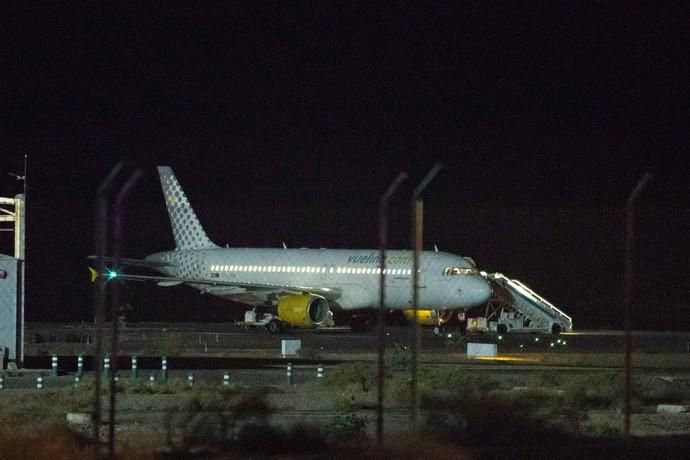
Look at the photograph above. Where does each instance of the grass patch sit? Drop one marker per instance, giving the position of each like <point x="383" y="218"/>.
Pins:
<point x="355" y="386"/>
<point x="658" y="391"/>
<point x="455" y="381"/>
<point x="497" y="418"/>
<point x="45" y="406"/>
<point x="398" y="357"/>
<point x="601" y="390"/>
<point x="360" y="375"/>
<point x="169" y="386"/>
<point x="348" y="428"/>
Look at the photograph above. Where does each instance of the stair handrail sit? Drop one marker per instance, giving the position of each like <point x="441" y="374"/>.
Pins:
<point x="541" y="299"/>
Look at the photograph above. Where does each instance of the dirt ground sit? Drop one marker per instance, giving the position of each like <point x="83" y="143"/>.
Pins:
<point x="171" y="416"/>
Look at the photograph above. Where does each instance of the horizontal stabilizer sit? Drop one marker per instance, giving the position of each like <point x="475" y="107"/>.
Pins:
<point x="169" y="283"/>
<point x="133" y="262"/>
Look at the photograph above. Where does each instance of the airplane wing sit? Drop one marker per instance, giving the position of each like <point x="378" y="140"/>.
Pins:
<point x="232" y="287"/>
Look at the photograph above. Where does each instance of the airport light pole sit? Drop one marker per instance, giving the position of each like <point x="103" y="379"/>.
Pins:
<point x="417" y="246"/>
<point x="629" y="279"/>
<point x="383" y="242"/>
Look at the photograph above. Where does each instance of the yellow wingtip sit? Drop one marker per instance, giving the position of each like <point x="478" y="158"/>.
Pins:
<point x="94" y="274"/>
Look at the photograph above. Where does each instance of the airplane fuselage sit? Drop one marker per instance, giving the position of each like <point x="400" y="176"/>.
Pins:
<point x="348" y="279"/>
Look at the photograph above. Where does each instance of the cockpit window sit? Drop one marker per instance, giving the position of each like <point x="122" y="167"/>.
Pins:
<point x="454" y="271"/>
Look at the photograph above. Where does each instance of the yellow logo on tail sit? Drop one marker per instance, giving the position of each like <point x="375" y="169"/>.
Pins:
<point x="94" y="274"/>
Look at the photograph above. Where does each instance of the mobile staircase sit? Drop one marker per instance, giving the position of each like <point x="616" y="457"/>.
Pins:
<point x="517" y="308"/>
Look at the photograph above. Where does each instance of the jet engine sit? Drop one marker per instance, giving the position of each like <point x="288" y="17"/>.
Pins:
<point x="429" y="317"/>
<point x="305" y="310"/>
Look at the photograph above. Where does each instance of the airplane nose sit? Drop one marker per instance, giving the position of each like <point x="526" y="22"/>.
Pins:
<point x="479" y="291"/>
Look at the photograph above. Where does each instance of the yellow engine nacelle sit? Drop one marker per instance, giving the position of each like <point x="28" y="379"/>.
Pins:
<point x="428" y="317"/>
<point x="304" y="310"/>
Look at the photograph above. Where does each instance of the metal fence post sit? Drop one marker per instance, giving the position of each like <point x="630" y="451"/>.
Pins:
<point x="417" y="247"/>
<point x="381" y="327"/>
<point x="628" y="297"/>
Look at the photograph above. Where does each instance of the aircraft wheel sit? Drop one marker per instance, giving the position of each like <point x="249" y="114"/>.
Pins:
<point x="556" y="329"/>
<point x="439" y="330"/>
<point x="274" y="326"/>
<point x="502" y="329"/>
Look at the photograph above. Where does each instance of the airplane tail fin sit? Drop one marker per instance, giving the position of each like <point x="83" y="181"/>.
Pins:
<point x="187" y="230"/>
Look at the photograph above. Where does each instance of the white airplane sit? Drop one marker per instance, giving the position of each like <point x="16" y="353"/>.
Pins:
<point x="300" y="287"/>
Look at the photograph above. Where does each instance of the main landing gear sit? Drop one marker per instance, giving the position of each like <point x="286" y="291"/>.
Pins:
<point x="274" y="326"/>
<point x="271" y="322"/>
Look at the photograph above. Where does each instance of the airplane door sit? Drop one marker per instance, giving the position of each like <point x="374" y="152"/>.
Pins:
<point x="424" y="268"/>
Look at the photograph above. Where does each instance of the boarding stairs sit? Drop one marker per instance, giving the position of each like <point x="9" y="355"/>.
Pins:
<point x="515" y="306"/>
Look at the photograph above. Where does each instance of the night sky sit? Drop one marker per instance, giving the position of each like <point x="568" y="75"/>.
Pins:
<point x="286" y="122"/>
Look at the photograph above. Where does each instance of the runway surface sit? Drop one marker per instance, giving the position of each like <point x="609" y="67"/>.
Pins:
<point x="216" y="346"/>
<point x="204" y="338"/>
